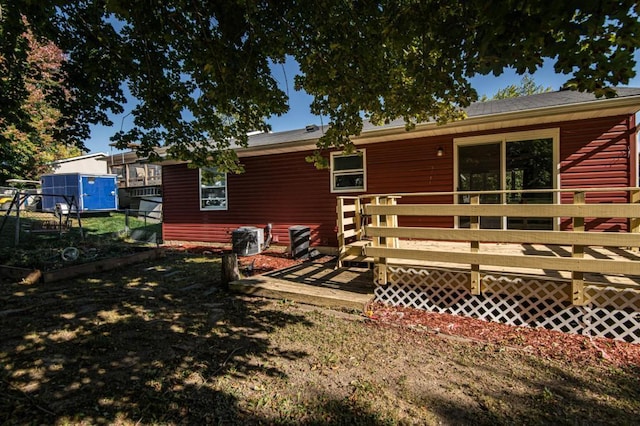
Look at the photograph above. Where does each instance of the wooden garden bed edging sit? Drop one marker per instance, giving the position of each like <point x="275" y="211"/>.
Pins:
<point x="101" y="265"/>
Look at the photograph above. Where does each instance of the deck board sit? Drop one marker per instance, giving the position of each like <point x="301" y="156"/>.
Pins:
<point x="526" y="249"/>
<point x="312" y="283"/>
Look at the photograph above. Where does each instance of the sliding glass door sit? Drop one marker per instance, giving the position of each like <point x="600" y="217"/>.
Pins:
<point x="529" y="165"/>
<point x="479" y="170"/>
<point x="511" y="163"/>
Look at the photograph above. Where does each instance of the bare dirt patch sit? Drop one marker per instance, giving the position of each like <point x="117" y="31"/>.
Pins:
<point x="159" y="343"/>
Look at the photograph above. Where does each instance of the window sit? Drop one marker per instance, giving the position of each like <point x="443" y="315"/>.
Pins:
<point x="515" y="162"/>
<point x="154" y="174"/>
<point x="119" y="171"/>
<point x="348" y="172"/>
<point x="213" y="189"/>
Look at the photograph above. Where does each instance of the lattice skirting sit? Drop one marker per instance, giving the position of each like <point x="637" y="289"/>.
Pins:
<point x="516" y="300"/>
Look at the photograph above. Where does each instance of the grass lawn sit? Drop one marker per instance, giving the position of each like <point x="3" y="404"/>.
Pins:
<point x="104" y="235"/>
<point x="158" y="343"/>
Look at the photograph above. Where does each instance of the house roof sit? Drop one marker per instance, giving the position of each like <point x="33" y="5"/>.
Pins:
<point x="129" y="157"/>
<point x="542" y="100"/>
<point x="549" y="107"/>
<point x="97" y="155"/>
<point x="538" y="102"/>
<point x="310" y="133"/>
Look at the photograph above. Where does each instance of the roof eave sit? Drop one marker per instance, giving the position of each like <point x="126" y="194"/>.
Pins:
<point x="551" y="114"/>
<point x="278" y="148"/>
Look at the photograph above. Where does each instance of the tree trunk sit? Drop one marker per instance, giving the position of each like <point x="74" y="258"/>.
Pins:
<point x="230" y="271"/>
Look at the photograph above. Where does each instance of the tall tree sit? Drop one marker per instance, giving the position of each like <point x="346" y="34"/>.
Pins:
<point x="526" y="87"/>
<point x="200" y="70"/>
<point x="29" y="144"/>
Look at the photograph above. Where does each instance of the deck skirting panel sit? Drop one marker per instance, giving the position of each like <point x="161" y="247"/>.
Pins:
<point x="518" y="300"/>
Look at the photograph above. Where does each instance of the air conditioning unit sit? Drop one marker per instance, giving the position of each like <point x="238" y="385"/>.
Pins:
<point x="247" y="240"/>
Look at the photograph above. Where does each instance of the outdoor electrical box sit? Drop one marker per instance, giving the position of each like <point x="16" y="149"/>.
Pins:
<point x="92" y="192"/>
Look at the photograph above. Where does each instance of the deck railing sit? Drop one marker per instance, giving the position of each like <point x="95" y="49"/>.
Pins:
<point x="368" y="227"/>
<point x="137" y="174"/>
<point x="349" y="226"/>
<point x="139" y="181"/>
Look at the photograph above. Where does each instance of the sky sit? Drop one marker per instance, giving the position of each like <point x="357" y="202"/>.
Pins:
<point x="299" y="114"/>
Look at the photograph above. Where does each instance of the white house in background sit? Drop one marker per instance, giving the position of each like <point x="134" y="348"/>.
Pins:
<point x="94" y="164"/>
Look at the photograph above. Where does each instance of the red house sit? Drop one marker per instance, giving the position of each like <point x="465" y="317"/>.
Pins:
<point x="553" y="140"/>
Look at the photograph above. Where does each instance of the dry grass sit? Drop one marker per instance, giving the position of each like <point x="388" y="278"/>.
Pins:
<point x="159" y="344"/>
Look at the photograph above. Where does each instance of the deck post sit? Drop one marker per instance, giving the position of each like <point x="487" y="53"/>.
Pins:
<point x="375" y="221"/>
<point x="474" y="223"/>
<point x="634" y="225"/>
<point x="577" y="277"/>
<point x="357" y="219"/>
<point x="340" y="228"/>
<point x="392" y="221"/>
<point x="381" y="262"/>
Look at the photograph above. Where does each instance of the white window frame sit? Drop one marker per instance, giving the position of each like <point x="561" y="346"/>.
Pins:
<point x="201" y="187"/>
<point x="363" y="171"/>
<point x="503" y="139"/>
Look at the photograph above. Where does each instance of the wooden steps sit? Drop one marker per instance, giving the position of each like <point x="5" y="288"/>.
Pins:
<point x="359" y="243"/>
<point x="275" y="288"/>
<point x="353" y="252"/>
<point x="359" y="259"/>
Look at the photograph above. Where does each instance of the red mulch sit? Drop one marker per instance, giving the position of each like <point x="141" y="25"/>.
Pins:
<point x="269" y="260"/>
<point x="539" y="341"/>
<point x="266" y="261"/>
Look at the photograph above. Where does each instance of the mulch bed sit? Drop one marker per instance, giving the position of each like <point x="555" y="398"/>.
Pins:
<point x="266" y="262"/>
<point x="539" y="341"/>
<point x="269" y="260"/>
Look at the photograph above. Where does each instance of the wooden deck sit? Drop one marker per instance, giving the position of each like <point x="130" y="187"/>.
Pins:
<point x="313" y="283"/>
<point x="546" y="250"/>
<point x="322" y="284"/>
<point x="511" y="275"/>
<point x="350" y="287"/>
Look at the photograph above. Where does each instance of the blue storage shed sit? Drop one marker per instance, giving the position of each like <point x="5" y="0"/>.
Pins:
<point x="92" y="192"/>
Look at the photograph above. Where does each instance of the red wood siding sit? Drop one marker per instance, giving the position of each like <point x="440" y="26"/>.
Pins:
<point x="597" y="154"/>
<point x="285" y="190"/>
<point x="413" y="166"/>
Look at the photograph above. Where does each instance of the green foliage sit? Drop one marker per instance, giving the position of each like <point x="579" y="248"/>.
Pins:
<point x="31" y="116"/>
<point x="526" y="87"/>
<point x="199" y="72"/>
